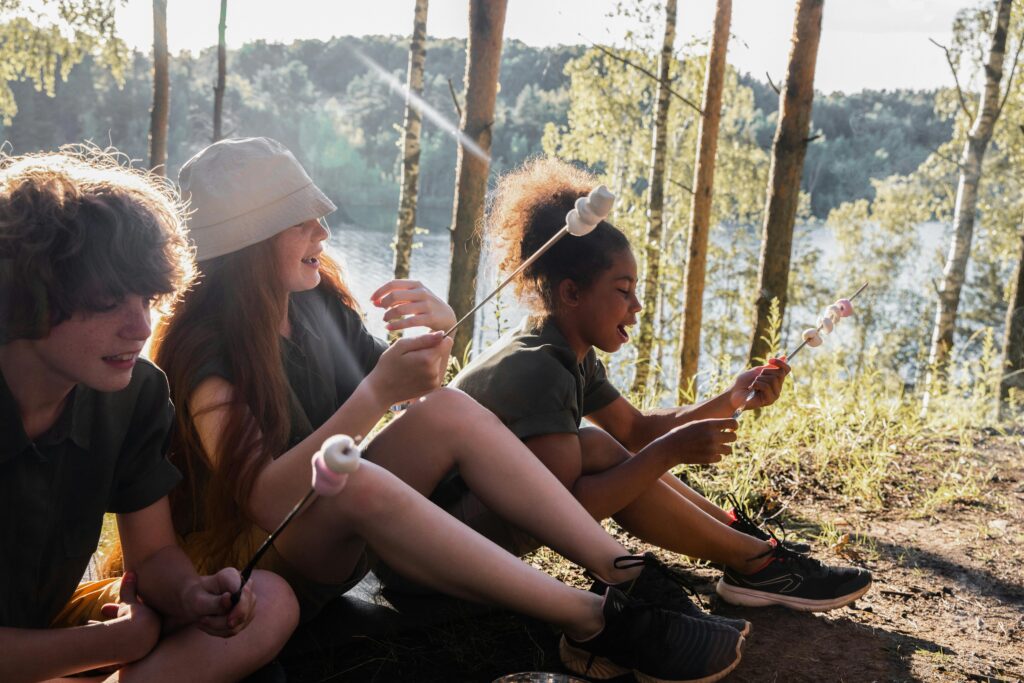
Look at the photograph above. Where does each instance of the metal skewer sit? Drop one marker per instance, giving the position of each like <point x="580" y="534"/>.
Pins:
<point x="789" y="357"/>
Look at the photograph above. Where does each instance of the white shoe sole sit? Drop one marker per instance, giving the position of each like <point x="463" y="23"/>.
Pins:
<point x="749" y="597"/>
<point x="583" y="663"/>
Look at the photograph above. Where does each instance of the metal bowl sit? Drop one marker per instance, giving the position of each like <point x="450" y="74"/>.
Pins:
<point x="538" y="677"/>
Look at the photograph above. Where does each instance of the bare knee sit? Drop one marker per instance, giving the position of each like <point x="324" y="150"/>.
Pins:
<point x="450" y="409"/>
<point x="277" y="612"/>
<point x="371" y="494"/>
<point x="600" y="450"/>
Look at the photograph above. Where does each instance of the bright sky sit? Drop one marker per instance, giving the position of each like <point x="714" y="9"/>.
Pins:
<point x="876" y="44"/>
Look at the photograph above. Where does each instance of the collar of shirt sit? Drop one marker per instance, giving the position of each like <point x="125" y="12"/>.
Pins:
<point x="73" y="423"/>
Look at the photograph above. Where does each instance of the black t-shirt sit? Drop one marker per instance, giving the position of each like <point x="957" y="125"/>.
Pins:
<point x="105" y="453"/>
<point x="329" y="353"/>
<point x="532" y="380"/>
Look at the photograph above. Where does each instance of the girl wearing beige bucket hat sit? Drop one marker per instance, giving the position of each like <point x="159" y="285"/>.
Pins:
<point x="267" y="356"/>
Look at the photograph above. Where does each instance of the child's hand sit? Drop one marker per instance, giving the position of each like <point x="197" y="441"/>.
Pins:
<point x="408" y="303"/>
<point x="209" y="599"/>
<point x="138" y="626"/>
<point x="410" y="367"/>
<point x="701" y="442"/>
<point x="765" y="380"/>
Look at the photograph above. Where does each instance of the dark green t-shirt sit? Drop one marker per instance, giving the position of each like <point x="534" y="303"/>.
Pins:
<point x="532" y="380"/>
<point x="105" y="453"/>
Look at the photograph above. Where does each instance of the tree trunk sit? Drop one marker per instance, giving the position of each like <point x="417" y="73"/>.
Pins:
<point x="652" y="240"/>
<point x="161" y="91"/>
<point x="1013" y="341"/>
<point x="483" y="60"/>
<point x="788" y="150"/>
<point x="222" y="68"/>
<point x="700" y="208"/>
<point x="406" y="227"/>
<point x="966" y="203"/>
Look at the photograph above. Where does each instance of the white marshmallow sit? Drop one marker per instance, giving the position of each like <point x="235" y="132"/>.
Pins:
<point x="825" y="324"/>
<point x="834" y="313"/>
<point x="812" y="337"/>
<point x="589" y="211"/>
<point x="341" y="455"/>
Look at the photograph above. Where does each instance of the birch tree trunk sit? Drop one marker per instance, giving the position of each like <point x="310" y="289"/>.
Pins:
<point x="788" y="150"/>
<point x="406" y="227"/>
<point x="161" y="91"/>
<point x="700" y="208"/>
<point x="655" y="214"/>
<point x="1013" y="341"/>
<point x="965" y="206"/>
<point x="222" y="70"/>
<point x="483" y="60"/>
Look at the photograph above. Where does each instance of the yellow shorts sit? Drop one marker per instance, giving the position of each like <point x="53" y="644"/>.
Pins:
<point x="86" y="601"/>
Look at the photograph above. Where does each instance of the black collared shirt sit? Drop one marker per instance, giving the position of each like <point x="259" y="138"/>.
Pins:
<point x="532" y="380"/>
<point x="105" y="453"/>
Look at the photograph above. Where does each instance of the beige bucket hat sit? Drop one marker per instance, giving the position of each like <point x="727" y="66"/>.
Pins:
<point x="244" y="191"/>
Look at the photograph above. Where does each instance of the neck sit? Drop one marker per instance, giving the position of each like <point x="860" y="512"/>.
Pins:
<point x="37" y="389"/>
<point x="570" y="331"/>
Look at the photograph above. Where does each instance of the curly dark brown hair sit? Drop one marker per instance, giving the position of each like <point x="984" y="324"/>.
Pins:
<point x="529" y="206"/>
<point x="79" y="230"/>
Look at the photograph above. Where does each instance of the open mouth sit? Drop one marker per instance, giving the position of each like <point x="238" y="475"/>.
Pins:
<point x="623" y="333"/>
<point x="311" y="261"/>
<point x="122" y="360"/>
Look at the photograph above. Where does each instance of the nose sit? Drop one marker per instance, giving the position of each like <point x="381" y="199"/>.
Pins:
<point x="319" y="230"/>
<point x="136" y="323"/>
<point x="634" y="305"/>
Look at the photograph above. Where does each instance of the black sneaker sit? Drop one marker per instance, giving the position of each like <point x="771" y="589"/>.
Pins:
<point x="661" y="586"/>
<point x="654" y="644"/>
<point x="743" y="523"/>
<point x="795" y="581"/>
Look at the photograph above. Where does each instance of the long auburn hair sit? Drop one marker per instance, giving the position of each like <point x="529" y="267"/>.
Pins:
<point x="234" y="310"/>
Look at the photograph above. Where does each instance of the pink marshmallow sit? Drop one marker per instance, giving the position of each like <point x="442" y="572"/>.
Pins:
<point x="326" y="482"/>
<point x="845" y="308"/>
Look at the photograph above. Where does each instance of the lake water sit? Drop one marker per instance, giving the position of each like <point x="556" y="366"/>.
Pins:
<point x="368" y="261"/>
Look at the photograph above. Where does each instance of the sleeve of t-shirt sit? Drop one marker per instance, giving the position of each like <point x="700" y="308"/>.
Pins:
<point x="597" y="390"/>
<point x="539" y="398"/>
<point x="144" y="474"/>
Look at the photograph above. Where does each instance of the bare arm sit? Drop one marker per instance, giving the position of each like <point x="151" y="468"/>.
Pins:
<point x="408" y="369"/>
<point x="635" y="429"/>
<point x="168" y="582"/>
<point x="42" y="654"/>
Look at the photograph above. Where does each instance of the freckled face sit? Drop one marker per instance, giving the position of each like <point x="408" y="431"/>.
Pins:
<point x="298" y="249"/>
<point x="98" y="349"/>
<point x="609" y="306"/>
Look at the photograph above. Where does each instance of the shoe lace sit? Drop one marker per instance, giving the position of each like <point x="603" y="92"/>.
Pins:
<point x="744" y="518"/>
<point x="673" y="575"/>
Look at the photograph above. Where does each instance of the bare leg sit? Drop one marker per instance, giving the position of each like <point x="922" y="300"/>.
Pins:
<point x="429" y="546"/>
<point x="191" y="655"/>
<point x="663" y="516"/>
<point x="449" y="429"/>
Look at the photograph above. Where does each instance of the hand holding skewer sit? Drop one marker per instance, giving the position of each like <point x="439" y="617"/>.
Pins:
<point x="843" y="308"/>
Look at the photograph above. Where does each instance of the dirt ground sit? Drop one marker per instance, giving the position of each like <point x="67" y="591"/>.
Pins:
<point x="947" y="602"/>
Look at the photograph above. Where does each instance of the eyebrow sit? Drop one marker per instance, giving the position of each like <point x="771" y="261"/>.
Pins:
<point x="626" y="277"/>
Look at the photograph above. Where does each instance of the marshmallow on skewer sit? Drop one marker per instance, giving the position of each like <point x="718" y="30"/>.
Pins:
<point x="812" y="337"/>
<point x="589" y="211"/>
<point x="845" y="307"/>
<point x="825" y="324"/>
<point x="336" y="459"/>
<point x="833" y="313"/>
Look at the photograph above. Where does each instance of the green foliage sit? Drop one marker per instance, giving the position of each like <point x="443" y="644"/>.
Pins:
<point x="42" y="41"/>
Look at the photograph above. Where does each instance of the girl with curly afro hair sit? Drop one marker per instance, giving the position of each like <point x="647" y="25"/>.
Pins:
<point x="545" y="377"/>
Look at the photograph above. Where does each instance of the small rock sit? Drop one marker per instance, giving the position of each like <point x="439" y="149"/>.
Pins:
<point x="999" y="524"/>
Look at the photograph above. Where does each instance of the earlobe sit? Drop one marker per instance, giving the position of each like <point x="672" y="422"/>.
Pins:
<point x="568" y="293"/>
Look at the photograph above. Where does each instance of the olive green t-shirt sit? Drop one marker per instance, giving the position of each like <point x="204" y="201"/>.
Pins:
<point x="105" y="453"/>
<point x="532" y="380"/>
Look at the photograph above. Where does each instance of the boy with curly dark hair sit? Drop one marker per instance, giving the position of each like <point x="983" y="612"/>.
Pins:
<point x="87" y="247"/>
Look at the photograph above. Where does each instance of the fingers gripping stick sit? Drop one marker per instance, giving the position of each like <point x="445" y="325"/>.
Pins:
<point x="337" y="458"/>
<point x="812" y="336"/>
<point x="584" y="217"/>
